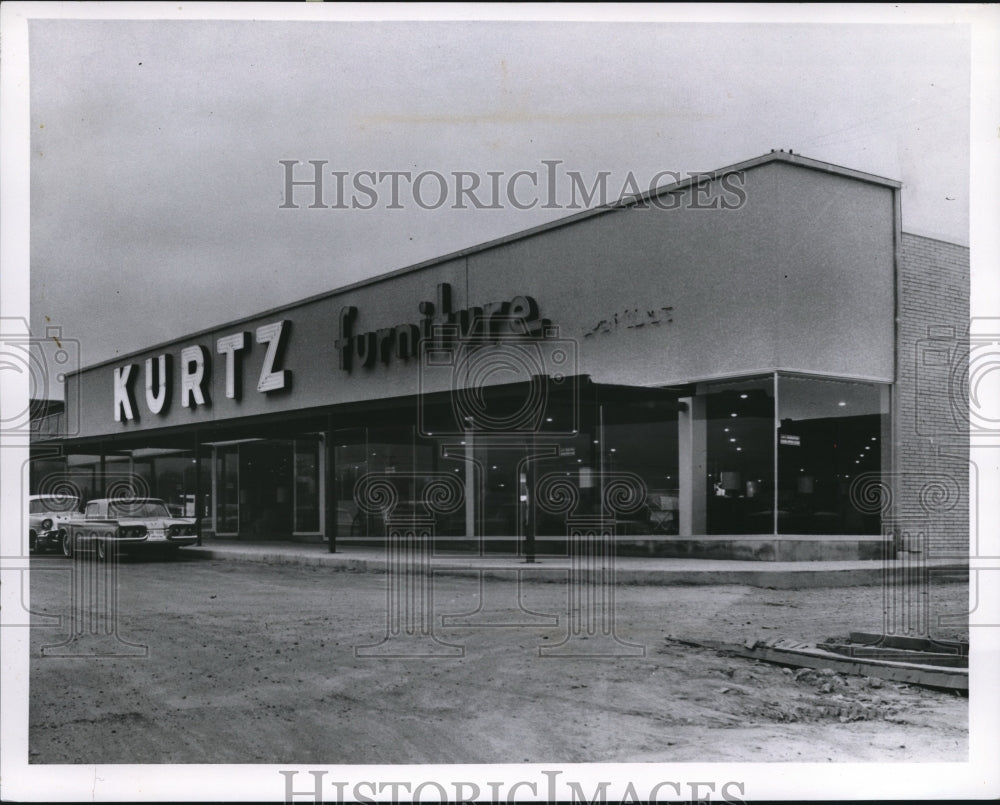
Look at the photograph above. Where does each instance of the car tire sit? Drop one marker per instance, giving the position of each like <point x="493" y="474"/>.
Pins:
<point x="32" y="542"/>
<point x="67" y="544"/>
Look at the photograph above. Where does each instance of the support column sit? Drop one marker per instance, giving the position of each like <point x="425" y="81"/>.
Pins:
<point x="197" y="485"/>
<point x="887" y="448"/>
<point x="528" y="498"/>
<point x="471" y="499"/>
<point x="329" y="498"/>
<point x="692" y="466"/>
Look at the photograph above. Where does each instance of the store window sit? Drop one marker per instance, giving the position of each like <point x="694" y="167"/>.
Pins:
<point x="84" y="475"/>
<point x="168" y="474"/>
<point x="308" y="484"/>
<point x="265" y="489"/>
<point x="640" y="438"/>
<point x="227" y="490"/>
<point x="739" y="449"/>
<point x="503" y="507"/>
<point x="831" y="431"/>
<point x="50" y="476"/>
<point x="530" y="482"/>
<point x="124" y="477"/>
<point x="205" y="501"/>
<point x="350" y="462"/>
<point x="456" y="457"/>
<point x="396" y="453"/>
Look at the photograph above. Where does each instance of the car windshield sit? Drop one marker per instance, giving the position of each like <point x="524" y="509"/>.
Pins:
<point x="139" y="508"/>
<point x="53" y="505"/>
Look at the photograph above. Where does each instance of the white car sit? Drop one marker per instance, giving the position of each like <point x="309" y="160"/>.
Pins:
<point x="127" y="524"/>
<point x="46" y="515"/>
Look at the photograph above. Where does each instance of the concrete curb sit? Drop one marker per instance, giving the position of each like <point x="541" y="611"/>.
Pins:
<point x="556" y="571"/>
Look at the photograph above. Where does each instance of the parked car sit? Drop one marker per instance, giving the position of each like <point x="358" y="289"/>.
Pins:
<point x="46" y="515"/>
<point x="126" y="525"/>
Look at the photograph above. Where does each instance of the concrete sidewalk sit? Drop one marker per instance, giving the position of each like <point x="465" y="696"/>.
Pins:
<point x="628" y="569"/>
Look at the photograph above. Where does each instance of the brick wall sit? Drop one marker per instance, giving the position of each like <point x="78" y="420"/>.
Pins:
<point x="931" y="467"/>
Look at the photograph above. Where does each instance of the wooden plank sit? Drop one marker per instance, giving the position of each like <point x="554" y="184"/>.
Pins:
<point x="807" y="655"/>
<point x="900" y="654"/>
<point x="913" y="643"/>
<point x="911" y="673"/>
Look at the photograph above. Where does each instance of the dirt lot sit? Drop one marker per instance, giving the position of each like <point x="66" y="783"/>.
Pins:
<point x="255" y="663"/>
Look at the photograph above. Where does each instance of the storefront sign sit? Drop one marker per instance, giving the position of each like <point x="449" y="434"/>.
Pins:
<point x="187" y="375"/>
<point x="194" y="373"/>
<point x="440" y="325"/>
<point x="631" y="319"/>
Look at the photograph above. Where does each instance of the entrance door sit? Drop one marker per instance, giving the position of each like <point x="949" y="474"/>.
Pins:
<point x="266" y="490"/>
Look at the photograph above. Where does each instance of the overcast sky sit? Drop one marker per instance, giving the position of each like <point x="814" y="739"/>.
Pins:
<point x="156" y="185"/>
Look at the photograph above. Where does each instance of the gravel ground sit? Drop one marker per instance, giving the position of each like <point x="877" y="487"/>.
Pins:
<point x="256" y="663"/>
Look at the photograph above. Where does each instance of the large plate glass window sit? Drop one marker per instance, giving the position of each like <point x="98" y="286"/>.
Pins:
<point x="308" y="484"/>
<point x="739" y="450"/>
<point x="833" y="435"/>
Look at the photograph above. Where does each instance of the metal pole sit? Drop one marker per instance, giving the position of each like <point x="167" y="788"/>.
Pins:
<point x="775" y="425"/>
<point x="529" y="501"/>
<point x="197" y="484"/>
<point x="329" y="495"/>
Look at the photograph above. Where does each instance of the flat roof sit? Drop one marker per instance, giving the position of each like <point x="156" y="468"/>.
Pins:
<point x="774" y="156"/>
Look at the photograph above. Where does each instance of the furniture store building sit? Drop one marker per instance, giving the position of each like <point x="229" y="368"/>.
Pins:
<point x="756" y="372"/>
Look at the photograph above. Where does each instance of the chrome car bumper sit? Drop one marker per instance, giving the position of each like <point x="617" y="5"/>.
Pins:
<point x="44" y="538"/>
<point x="151" y="539"/>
